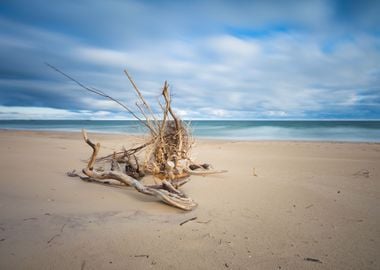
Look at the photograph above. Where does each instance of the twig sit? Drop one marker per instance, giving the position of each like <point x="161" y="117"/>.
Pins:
<point x="129" y="151"/>
<point x="203" y="173"/>
<point x="139" y="94"/>
<point x="312" y="260"/>
<point x="187" y="220"/>
<point x="54" y="236"/>
<point x="142" y="255"/>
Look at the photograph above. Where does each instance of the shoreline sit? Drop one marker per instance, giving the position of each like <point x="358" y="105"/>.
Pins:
<point x="279" y="204"/>
<point x="264" y="130"/>
<point x="206" y="139"/>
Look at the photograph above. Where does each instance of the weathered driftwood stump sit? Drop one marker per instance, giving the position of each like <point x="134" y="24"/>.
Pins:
<point x="166" y="152"/>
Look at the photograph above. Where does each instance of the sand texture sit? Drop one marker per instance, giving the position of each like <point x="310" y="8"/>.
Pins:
<point x="282" y="205"/>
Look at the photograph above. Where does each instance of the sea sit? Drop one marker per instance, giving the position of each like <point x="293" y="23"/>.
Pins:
<point x="350" y="131"/>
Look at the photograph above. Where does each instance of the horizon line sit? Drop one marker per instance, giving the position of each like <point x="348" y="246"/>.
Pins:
<point x="259" y="119"/>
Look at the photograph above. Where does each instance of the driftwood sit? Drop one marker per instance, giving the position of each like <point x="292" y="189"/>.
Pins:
<point x="166" y="192"/>
<point x="165" y="155"/>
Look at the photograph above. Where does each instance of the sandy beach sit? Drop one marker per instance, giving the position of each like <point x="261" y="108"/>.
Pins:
<point x="282" y="205"/>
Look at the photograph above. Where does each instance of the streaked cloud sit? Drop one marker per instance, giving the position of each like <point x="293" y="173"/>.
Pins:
<point x="223" y="59"/>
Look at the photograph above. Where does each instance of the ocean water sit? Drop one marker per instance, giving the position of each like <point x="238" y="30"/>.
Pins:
<point x="355" y="131"/>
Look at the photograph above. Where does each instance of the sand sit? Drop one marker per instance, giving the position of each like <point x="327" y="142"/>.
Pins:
<point x="311" y="205"/>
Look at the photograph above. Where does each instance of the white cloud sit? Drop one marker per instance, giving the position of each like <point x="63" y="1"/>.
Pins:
<point x="275" y="113"/>
<point x="42" y="113"/>
<point x="102" y="56"/>
<point x="233" y="48"/>
<point x="215" y="72"/>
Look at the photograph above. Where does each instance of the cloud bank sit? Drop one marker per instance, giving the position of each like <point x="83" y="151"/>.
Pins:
<point x="223" y="59"/>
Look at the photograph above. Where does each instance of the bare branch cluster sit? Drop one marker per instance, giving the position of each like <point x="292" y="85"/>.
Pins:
<point x="165" y="155"/>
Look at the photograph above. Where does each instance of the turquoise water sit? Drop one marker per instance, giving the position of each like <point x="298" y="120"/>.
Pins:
<point x="361" y="131"/>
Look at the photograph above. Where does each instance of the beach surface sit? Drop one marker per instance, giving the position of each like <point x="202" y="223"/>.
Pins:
<point x="281" y="205"/>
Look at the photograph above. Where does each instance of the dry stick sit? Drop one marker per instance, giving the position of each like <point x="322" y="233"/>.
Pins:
<point x="128" y="152"/>
<point x="187" y="220"/>
<point x="95" y="148"/>
<point x="52" y="238"/>
<point x="144" y="102"/>
<point x="165" y="93"/>
<point x="139" y="94"/>
<point x="98" y="92"/>
<point x="169" y="187"/>
<point x="179" y="134"/>
<point x="312" y="260"/>
<point x="176" y="184"/>
<point x="152" y="128"/>
<point x="205" y="172"/>
<point x="137" y="163"/>
<point x="180" y="183"/>
<point x="167" y="106"/>
<point x="164" y="117"/>
<point x="142" y="255"/>
<point x="56" y="235"/>
<point x="161" y="136"/>
<point x="167" y="98"/>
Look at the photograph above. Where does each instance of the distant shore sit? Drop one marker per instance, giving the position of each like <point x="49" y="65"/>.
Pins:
<point x="288" y="204"/>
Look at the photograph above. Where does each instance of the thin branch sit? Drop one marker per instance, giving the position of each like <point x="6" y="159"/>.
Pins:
<point x="140" y="95"/>
<point x="187" y="220"/>
<point x="98" y="92"/>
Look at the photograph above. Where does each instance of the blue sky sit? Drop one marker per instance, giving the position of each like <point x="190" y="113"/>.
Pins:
<point x="222" y="59"/>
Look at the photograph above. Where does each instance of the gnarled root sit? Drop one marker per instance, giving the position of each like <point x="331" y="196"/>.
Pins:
<point x="165" y="192"/>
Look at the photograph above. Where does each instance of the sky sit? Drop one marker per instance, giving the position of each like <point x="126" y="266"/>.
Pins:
<point x="222" y="59"/>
